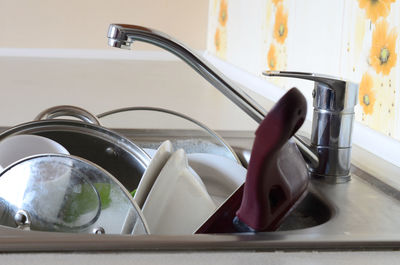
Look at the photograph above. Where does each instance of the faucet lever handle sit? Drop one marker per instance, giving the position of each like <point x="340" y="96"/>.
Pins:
<point x="333" y="82"/>
<point x="330" y="93"/>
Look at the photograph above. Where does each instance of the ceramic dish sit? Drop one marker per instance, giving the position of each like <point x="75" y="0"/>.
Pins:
<point x="220" y="175"/>
<point x="16" y="147"/>
<point x="178" y="201"/>
<point x="158" y="160"/>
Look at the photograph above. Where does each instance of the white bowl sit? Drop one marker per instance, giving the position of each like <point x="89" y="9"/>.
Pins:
<point x="16" y="147"/>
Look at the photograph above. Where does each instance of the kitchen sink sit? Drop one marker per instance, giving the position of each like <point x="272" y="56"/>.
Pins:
<point x="363" y="213"/>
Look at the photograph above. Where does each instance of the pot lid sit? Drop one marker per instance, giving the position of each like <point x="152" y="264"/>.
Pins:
<point x="64" y="193"/>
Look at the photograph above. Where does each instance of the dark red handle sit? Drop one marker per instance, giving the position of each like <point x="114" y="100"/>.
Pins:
<point x="265" y="179"/>
<point x="268" y="191"/>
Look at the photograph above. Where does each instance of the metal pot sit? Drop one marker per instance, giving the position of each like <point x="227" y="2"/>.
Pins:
<point x="89" y="140"/>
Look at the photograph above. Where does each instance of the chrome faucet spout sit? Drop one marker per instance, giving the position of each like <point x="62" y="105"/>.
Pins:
<point x="122" y="36"/>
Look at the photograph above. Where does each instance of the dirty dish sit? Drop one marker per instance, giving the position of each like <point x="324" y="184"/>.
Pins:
<point x="220" y="175"/>
<point x="178" y="202"/>
<point x="16" y="147"/>
<point x="158" y="160"/>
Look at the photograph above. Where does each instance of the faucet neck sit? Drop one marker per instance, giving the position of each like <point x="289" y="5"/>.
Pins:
<point x="122" y="36"/>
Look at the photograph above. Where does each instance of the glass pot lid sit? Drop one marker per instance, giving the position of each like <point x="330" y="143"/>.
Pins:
<point x="63" y="193"/>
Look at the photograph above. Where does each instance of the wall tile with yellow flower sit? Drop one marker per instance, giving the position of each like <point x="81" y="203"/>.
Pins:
<point x="272" y="58"/>
<point x="356" y="40"/>
<point x="276" y="2"/>
<point x="383" y="56"/>
<point x="280" y="27"/>
<point x="220" y="42"/>
<point x="276" y="32"/>
<point x="376" y="106"/>
<point x="223" y="13"/>
<point x="366" y="95"/>
<point x="370" y="55"/>
<point x="217" y="43"/>
<point x="375" y="9"/>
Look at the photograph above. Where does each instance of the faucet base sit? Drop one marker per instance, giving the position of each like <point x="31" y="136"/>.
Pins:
<point x="330" y="179"/>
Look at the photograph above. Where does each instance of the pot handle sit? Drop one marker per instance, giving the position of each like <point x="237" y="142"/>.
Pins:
<point x="67" y="110"/>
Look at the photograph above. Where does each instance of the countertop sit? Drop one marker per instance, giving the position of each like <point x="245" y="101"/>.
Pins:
<point x="194" y="258"/>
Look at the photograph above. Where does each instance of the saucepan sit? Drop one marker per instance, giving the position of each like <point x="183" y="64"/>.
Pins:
<point x="89" y="140"/>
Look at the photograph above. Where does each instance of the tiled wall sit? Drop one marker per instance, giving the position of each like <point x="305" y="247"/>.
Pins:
<point x="356" y="40"/>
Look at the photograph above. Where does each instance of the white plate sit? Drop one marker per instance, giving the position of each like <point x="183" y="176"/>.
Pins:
<point x="178" y="202"/>
<point x="220" y="175"/>
<point x="158" y="160"/>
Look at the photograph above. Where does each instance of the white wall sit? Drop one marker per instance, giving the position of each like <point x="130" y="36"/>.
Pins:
<point x="83" y="24"/>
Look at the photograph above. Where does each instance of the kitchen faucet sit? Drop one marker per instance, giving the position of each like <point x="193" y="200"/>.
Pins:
<point x="332" y="125"/>
<point x="328" y="154"/>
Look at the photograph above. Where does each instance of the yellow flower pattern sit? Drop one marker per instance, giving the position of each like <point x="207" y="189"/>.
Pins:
<point x="383" y="55"/>
<point x="276" y="2"/>
<point x="366" y="96"/>
<point x="223" y="13"/>
<point x="276" y="55"/>
<point x="220" y="34"/>
<point x="272" y="57"/>
<point x="367" y="47"/>
<point x="217" y="40"/>
<point x="376" y="8"/>
<point x="280" y="27"/>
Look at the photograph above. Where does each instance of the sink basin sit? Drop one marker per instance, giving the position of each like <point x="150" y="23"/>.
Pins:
<point x="311" y="211"/>
<point x="354" y="215"/>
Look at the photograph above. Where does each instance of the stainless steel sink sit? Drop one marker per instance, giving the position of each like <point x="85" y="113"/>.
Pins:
<point x="361" y="214"/>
